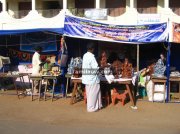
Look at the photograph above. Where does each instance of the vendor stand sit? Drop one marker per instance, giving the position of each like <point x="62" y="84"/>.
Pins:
<point x="14" y="77"/>
<point x="45" y="77"/>
<point x="174" y="79"/>
<point x="142" y="34"/>
<point x="159" y="80"/>
<point x="173" y="76"/>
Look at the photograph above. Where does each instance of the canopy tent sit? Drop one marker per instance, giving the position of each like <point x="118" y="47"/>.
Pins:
<point x="78" y="27"/>
<point x="33" y="22"/>
<point x="174" y="37"/>
<point x="133" y="34"/>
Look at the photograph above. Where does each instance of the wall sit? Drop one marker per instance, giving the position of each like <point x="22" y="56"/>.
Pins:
<point x="103" y="4"/>
<point x="71" y="4"/>
<point x="160" y="6"/>
<point x="129" y="17"/>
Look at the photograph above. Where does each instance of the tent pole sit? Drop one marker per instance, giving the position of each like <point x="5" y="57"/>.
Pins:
<point x="137" y="62"/>
<point x="168" y="70"/>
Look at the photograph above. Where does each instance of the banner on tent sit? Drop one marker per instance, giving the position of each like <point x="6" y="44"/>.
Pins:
<point x="31" y="40"/>
<point x="84" y="28"/>
<point x="176" y="32"/>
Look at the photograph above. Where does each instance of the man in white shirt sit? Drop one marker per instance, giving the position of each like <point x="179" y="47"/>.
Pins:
<point x="36" y="61"/>
<point x="36" y="66"/>
<point x="91" y="80"/>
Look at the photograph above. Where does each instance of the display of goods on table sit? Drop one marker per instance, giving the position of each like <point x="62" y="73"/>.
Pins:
<point x="75" y="67"/>
<point x="117" y="68"/>
<point x="159" y="68"/>
<point x="127" y="69"/>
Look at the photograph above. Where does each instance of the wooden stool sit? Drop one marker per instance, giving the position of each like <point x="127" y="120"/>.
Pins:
<point x="117" y="96"/>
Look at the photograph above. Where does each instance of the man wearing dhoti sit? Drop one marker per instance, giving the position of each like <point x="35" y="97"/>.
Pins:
<point x="91" y="80"/>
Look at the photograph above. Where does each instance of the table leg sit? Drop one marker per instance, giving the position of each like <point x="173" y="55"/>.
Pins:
<point x="179" y="91"/>
<point x="40" y="83"/>
<point x="23" y="85"/>
<point x="14" y="80"/>
<point x="164" y="92"/>
<point x="169" y="96"/>
<point x="67" y="83"/>
<point x="54" y="82"/>
<point x="45" y="90"/>
<point x="73" y="93"/>
<point x="32" y="90"/>
<point x="130" y="95"/>
<point x="29" y="80"/>
<point x="153" y="88"/>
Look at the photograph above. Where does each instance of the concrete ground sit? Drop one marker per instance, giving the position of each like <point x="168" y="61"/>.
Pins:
<point x="23" y="116"/>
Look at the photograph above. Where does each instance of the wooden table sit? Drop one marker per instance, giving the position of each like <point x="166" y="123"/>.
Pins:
<point x="127" y="83"/>
<point x="161" y="80"/>
<point x="76" y="82"/>
<point x="174" y="79"/>
<point x="46" y="78"/>
<point x="14" y="77"/>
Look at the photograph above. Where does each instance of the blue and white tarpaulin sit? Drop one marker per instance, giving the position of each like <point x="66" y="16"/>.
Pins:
<point x="84" y="28"/>
<point x="21" y="31"/>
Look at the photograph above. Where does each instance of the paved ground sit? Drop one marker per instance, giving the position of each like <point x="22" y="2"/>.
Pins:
<point x="45" y="117"/>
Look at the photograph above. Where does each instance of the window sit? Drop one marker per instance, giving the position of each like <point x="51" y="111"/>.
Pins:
<point x="175" y="6"/>
<point x="51" y="5"/>
<point x="84" y="4"/>
<point x="147" y="6"/>
<point x="24" y="8"/>
<point x="51" y="8"/>
<point x="116" y="7"/>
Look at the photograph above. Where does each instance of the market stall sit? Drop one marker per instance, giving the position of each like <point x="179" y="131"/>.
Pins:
<point x="81" y="28"/>
<point x="19" y="42"/>
<point x="173" y="65"/>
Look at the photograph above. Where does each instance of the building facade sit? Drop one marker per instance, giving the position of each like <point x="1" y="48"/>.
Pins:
<point x="118" y="11"/>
